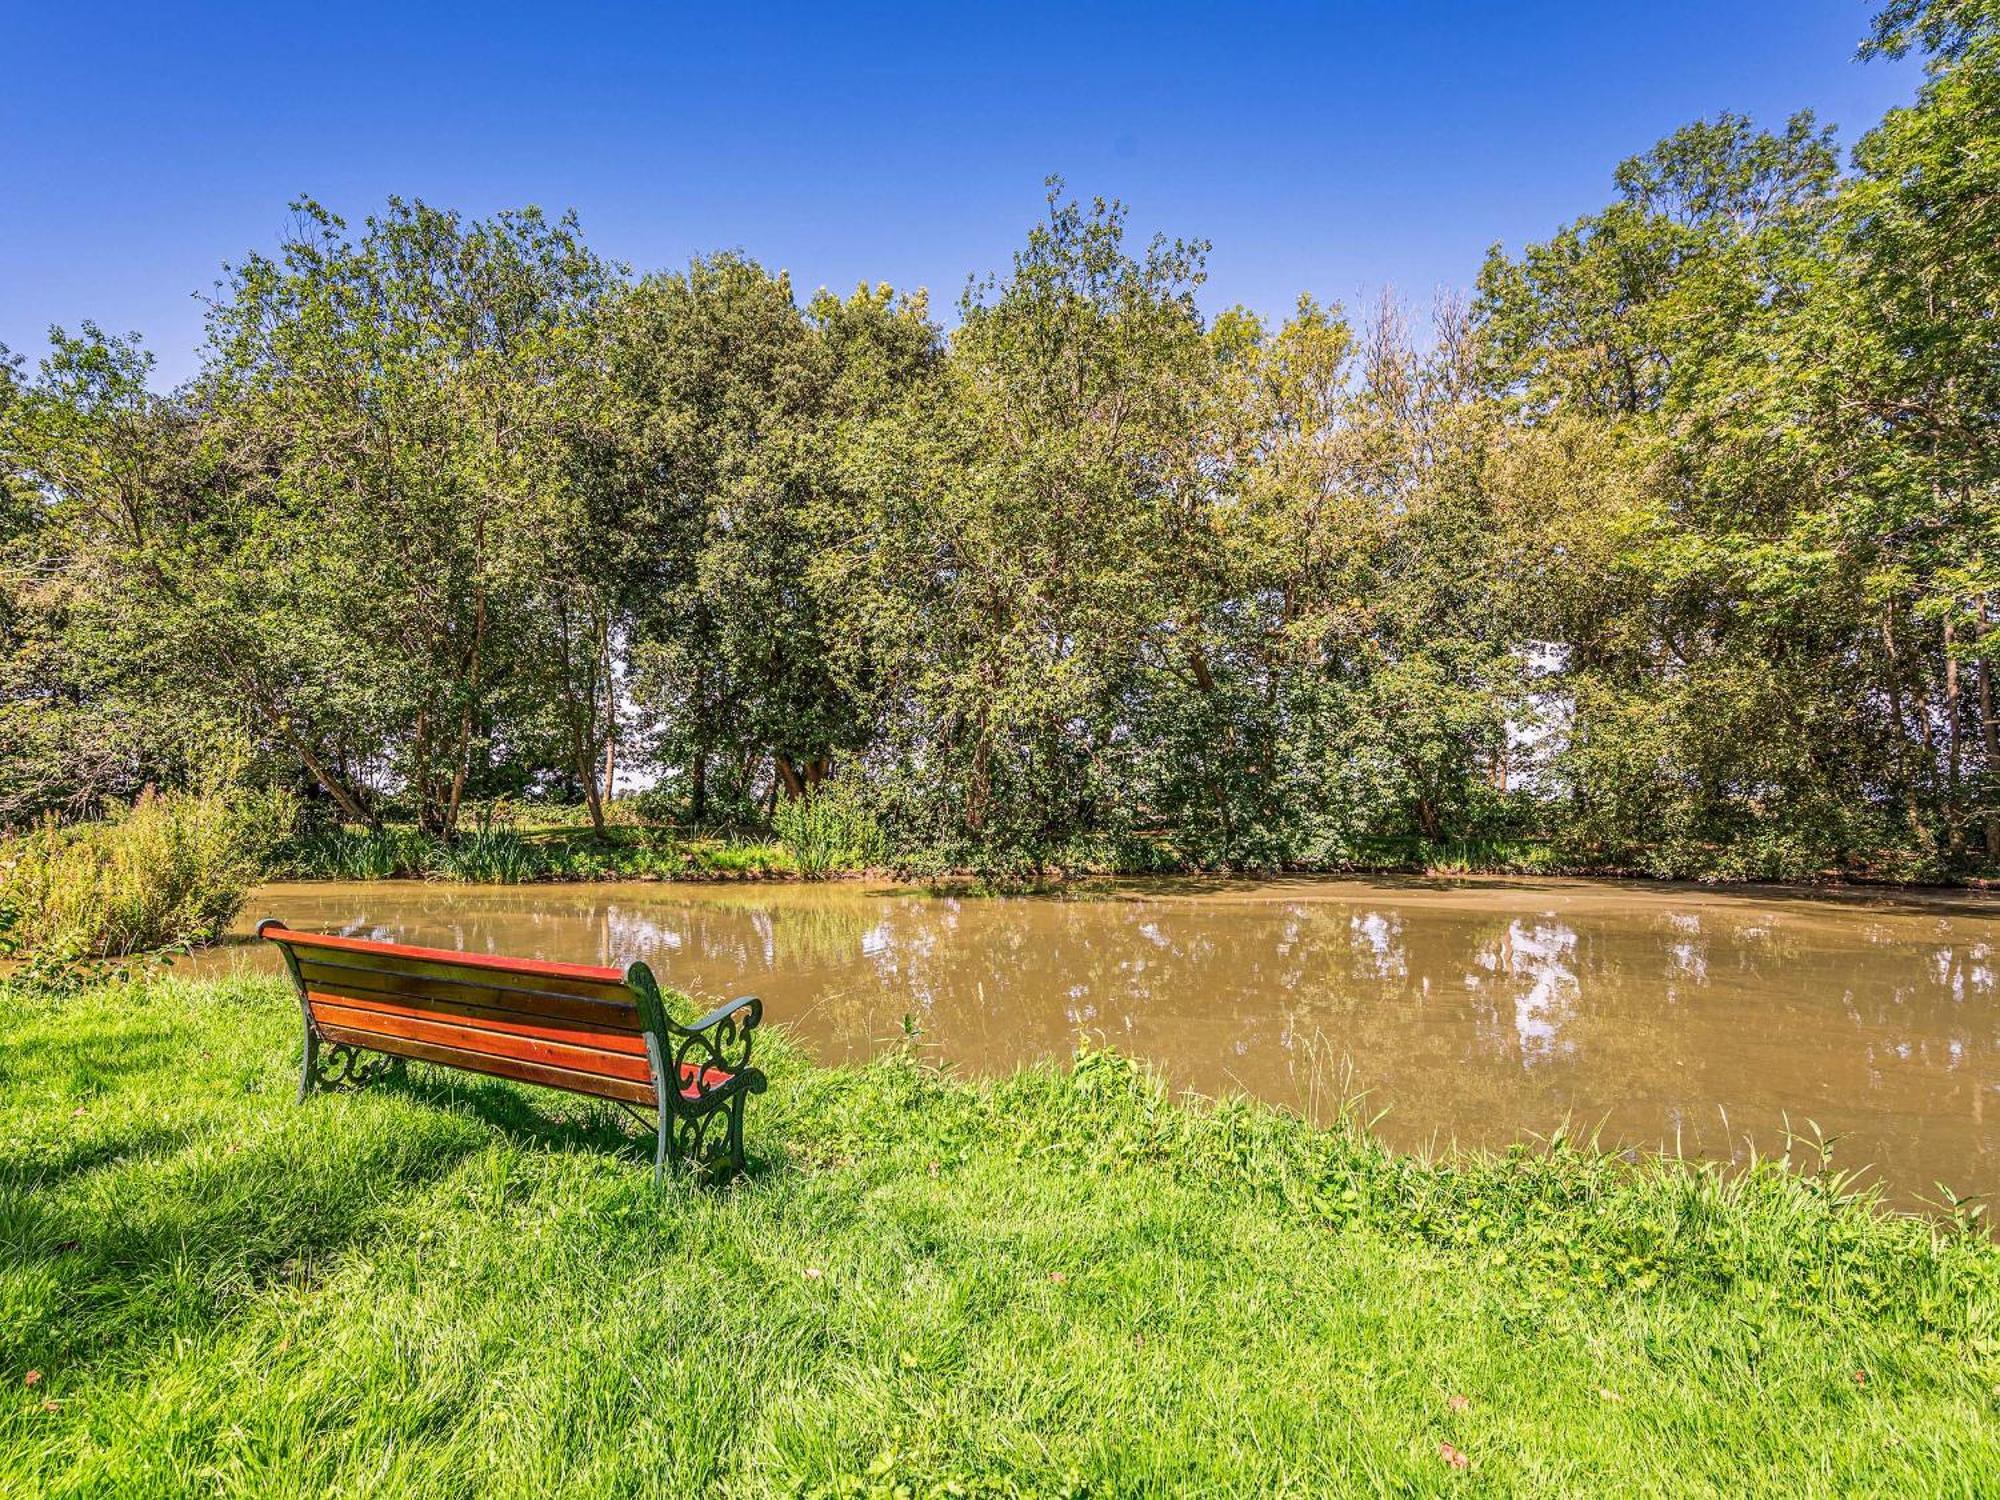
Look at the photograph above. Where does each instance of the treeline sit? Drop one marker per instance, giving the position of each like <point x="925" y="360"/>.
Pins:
<point x="1674" y="547"/>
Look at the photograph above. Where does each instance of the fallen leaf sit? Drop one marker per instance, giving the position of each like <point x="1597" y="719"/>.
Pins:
<point x="1058" y="1277"/>
<point x="1452" y="1456"/>
<point x="52" y="1406"/>
<point x="1861" y="1377"/>
<point x="1458" y="1403"/>
<point x="1605" y="1393"/>
<point x="32" y="1379"/>
<point x="813" y="1273"/>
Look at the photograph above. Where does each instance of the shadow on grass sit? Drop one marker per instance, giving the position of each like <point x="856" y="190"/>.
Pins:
<point x="93" y="1054"/>
<point x="548" y="1118"/>
<point x="42" y="1167"/>
<point x="171" y="1243"/>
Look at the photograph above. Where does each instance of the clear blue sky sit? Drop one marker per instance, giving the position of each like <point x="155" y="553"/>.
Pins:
<point x="1331" y="148"/>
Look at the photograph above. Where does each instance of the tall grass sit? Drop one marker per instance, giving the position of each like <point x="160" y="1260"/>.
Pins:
<point x="499" y="856"/>
<point x="171" y="869"/>
<point x="830" y="830"/>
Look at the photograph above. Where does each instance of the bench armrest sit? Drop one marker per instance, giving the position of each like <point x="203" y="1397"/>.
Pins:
<point x="721" y="1013"/>
<point x="719" y="1041"/>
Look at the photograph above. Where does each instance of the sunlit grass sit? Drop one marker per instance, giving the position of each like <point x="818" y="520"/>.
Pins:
<point x="1061" y="1279"/>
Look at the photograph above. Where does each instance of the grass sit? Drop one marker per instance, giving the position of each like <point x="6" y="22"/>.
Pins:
<point x="170" y="869"/>
<point x="1062" y="1282"/>
<point x="504" y="856"/>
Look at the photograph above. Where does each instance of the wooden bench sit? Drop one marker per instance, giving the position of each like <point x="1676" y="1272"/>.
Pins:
<point x="368" y="1007"/>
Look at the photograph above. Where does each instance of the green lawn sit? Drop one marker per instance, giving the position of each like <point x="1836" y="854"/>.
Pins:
<point x="1058" y="1283"/>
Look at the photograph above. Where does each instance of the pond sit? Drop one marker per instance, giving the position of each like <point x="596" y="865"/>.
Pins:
<point x="1480" y="1011"/>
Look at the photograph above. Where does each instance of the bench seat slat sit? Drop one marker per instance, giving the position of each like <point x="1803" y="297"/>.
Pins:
<point x="499" y="1067"/>
<point x="484" y="975"/>
<point x="609" y="1016"/>
<point x="481" y="1018"/>
<point x="457" y="958"/>
<point x="444" y="1031"/>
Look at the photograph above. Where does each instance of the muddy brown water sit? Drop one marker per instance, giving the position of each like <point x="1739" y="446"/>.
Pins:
<point x="1479" y="1011"/>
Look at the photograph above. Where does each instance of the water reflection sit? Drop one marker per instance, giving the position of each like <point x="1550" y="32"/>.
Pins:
<point x="1476" y="1010"/>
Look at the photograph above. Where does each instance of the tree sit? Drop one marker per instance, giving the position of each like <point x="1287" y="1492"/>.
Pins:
<point x="395" y="423"/>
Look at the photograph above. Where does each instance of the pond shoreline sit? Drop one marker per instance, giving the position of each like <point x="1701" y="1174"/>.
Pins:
<point x="973" y="881"/>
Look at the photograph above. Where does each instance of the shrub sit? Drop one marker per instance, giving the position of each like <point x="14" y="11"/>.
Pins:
<point x="832" y="829"/>
<point x="171" y="869"/>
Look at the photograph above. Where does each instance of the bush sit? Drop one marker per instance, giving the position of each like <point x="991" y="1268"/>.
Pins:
<point x="832" y="829"/>
<point x="171" y="869"/>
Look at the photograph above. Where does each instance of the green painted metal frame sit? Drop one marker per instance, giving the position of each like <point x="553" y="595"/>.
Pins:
<point x="720" y="1041"/>
<point x="325" y="1064"/>
<point x="685" y="1127"/>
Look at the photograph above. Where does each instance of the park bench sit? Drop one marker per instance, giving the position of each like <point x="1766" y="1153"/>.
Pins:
<point x="369" y="1007"/>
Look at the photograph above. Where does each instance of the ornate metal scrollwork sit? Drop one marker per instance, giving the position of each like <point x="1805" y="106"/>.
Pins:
<point x="707" y="1059"/>
<point x="702" y="1077"/>
<point x="342" y="1066"/>
<point x="710" y="1142"/>
<point x="337" y="1065"/>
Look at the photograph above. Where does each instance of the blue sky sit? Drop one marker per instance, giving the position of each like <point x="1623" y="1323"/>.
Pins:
<point x="1329" y="148"/>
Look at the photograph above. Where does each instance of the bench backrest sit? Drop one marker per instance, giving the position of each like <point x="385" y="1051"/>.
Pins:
<point x="566" y="1026"/>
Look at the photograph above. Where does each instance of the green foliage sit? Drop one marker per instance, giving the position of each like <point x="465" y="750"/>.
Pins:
<point x="1061" y="1282"/>
<point x="1676" y="548"/>
<point x="833" y="829"/>
<point x="170" y="869"/>
<point x="343" y="854"/>
<point x="498" y="856"/>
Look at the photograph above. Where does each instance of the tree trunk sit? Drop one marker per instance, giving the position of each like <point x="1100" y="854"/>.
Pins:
<point x="1954" y="834"/>
<point x="583" y="759"/>
<point x="610" y="680"/>
<point x="1991" y="742"/>
<point x="1427" y="819"/>
<point x="463" y="768"/>
<point x="698" y="786"/>
<point x="1894" y="677"/>
<point x="788" y="773"/>
<point x="345" y="798"/>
